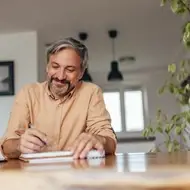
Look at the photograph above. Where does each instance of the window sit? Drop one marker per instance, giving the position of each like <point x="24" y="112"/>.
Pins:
<point x="112" y="101"/>
<point x="134" y="110"/>
<point x="126" y="109"/>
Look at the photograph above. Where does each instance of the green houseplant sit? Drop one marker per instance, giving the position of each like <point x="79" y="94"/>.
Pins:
<point x="178" y="84"/>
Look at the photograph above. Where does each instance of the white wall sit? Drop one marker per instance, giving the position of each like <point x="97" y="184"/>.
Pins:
<point x="130" y="147"/>
<point x="41" y="50"/>
<point x="22" y="48"/>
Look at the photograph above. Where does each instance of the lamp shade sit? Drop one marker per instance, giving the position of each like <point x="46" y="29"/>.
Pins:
<point x="115" y="74"/>
<point x="86" y="76"/>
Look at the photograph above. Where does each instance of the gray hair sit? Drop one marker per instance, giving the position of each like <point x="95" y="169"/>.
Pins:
<point x="78" y="46"/>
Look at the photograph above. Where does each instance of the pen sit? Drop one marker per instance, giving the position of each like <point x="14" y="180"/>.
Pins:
<point x="30" y="126"/>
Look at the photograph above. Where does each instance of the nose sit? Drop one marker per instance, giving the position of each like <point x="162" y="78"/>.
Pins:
<point x="61" y="75"/>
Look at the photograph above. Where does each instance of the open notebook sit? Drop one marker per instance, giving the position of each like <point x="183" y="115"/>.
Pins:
<point x="56" y="156"/>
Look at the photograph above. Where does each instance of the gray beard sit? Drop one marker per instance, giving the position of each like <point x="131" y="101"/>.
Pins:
<point x="60" y="92"/>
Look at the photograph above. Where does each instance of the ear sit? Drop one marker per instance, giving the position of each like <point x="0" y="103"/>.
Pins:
<point x="81" y="74"/>
<point x="47" y="67"/>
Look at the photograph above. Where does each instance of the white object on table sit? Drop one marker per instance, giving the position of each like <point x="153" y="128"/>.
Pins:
<point x="47" y="154"/>
<point x="2" y="158"/>
<point x="57" y="156"/>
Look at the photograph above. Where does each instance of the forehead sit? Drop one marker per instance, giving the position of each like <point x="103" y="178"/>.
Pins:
<point x="66" y="56"/>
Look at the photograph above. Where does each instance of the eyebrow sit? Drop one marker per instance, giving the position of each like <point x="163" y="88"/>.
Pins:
<point x="53" y="62"/>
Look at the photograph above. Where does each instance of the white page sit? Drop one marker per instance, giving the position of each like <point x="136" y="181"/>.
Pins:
<point x="58" y="156"/>
<point x="47" y="154"/>
<point x="2" y="157"/>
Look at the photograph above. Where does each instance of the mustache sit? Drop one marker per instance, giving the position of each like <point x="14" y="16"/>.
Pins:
<point x="64" y="81"/>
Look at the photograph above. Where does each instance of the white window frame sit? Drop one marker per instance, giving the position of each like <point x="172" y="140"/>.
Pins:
<point x="121" y="90"/>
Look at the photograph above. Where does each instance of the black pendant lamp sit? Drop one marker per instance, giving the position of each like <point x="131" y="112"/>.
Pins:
<point x="114" y="74"/>
<point x="86" y="76"/>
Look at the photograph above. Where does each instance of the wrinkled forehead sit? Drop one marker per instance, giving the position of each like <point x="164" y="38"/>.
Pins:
<point x="66" y="57"/>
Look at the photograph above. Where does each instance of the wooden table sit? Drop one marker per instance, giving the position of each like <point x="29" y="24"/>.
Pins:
<point x="122" y="171"/>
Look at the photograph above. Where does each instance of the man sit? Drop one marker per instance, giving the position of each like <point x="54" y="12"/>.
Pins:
<point x="64" y="112"/>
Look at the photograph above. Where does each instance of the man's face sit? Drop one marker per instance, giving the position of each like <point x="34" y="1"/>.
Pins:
<point x="64" y="71"/>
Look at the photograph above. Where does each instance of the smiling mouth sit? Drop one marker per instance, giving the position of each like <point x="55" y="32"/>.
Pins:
<point x="59" y="82"/>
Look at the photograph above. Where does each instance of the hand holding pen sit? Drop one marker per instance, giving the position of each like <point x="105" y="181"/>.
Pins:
<point x="31" y="140"/>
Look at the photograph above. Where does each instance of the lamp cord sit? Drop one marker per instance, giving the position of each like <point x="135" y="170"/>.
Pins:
<point x="113" y="49"/>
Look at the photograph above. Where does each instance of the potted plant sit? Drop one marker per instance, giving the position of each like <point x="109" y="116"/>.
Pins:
<point x="175" y="127"/>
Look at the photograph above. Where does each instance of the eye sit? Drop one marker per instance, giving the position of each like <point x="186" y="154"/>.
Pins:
<point x="70" y="70"/>
<point x="55" y="66"/>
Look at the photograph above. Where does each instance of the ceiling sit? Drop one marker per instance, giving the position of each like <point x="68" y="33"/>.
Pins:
<point x="146" y="30"/>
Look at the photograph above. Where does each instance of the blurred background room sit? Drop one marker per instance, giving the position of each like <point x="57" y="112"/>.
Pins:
<point x="135" y="40"/>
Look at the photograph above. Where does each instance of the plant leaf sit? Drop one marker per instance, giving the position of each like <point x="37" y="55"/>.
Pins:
<point x="161" y="90"/>
<point x="184" y="139"/>
<point x="144" y="133"/>
<point x="187" y="27"/>
<point x="168" y="129"/>
<point x="159" y="129"/>
<point x="182" y="63"/>
<point x="178" y="130"/>
<point x="155" y="149"/>
<point x="163" y="2"/>
<point x="178" y="7"/>
<point x="170" y="147"/>
<point x="172" y="68"/>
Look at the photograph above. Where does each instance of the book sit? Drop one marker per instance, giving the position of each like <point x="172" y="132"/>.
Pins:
<point x="56" y="156"/>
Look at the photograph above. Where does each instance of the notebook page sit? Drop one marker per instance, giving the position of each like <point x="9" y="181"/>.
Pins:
<point x="59" y="154"/>
<point x="47" y="154"/>
<point x="2" y="158"/>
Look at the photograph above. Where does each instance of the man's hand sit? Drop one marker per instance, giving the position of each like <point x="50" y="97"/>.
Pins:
<point x="86" y="142"/>
<point x="32" y="141"/>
